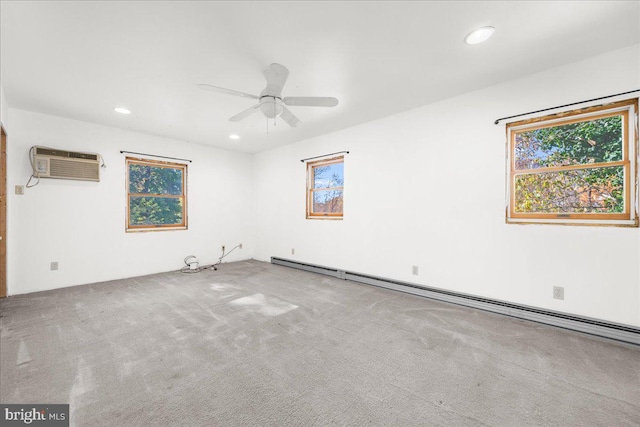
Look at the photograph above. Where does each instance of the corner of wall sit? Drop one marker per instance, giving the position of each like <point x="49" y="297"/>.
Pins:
<point x="4" y="109"/>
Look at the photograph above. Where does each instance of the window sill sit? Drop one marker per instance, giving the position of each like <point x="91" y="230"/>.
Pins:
<point x="324" y="217"/>
<point x="574" y="222"/>
<point x="159" y="228"/>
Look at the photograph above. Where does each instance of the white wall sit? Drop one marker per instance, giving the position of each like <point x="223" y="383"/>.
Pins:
<point x="4" y="110"/>
<point x="427" y="188"/>
<point x="82" y="224"/>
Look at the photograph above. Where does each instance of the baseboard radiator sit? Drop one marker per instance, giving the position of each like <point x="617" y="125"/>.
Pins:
<point x="616" y="331"/>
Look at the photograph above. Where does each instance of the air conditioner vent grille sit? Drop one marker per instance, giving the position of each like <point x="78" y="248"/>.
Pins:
<point x="70" y="169"/>
<point x="63" y="153"/>
<point x="83" y="156"/>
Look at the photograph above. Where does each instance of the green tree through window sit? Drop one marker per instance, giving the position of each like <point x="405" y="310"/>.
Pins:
<point x="156" y="196"/>
<point x="575" y="167"/>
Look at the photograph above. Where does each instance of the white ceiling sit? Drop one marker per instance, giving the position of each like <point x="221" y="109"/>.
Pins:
<point x="81" y="59"/>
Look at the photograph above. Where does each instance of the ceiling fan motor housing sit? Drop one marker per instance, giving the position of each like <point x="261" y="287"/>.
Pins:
<point x="271" y="106"/>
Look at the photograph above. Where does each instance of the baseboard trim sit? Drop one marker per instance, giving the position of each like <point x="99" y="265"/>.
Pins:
<point x="615" y="331"/>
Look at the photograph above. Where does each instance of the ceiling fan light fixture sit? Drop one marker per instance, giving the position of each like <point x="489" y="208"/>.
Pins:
<point x="271" y="106"/>
<point x="121" y="110"/>
<point x="479" y="35"/>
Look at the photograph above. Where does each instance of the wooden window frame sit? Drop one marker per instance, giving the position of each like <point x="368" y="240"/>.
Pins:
<point x="311" y="166"/>
<point x="159" y="227"/>
<point x="628" y="109"/>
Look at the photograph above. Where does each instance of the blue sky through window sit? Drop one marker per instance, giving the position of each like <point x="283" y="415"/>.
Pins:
<point x="331" y="175"/>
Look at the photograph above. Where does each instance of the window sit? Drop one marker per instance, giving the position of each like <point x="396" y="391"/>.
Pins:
<point x="156" y="195"/>
<point x="577" y="167"/>
<point x="325" y="182"/>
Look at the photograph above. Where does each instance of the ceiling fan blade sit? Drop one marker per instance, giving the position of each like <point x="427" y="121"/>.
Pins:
<point x="226" y="91"/>
<point x="310" y="101"/>
<point x="276" y="76"/>
<point x="245" y="113"/>
<point x="288" y="117"/>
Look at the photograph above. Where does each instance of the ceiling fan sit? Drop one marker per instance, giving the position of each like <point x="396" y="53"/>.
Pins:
<point x="271" y="102"/>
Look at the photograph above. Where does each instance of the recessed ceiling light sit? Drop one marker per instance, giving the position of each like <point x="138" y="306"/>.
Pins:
<point x="479" y="35"/>
<point x="121" y="110"/>
<point x="234" y="136"/>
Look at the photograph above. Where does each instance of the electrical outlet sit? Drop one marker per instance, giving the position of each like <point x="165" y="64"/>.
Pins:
<point x="240" y="245"/>
<point x="20" y="189"/>
<point x="293" y="251"/>
<point x="222" y="248"/>
<point x="558" y="292"/>
<point x="54" y="265"/>
<point x="415" y="270"/>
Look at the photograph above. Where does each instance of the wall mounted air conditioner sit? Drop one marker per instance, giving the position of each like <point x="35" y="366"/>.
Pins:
<point x="61" y="164"/>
